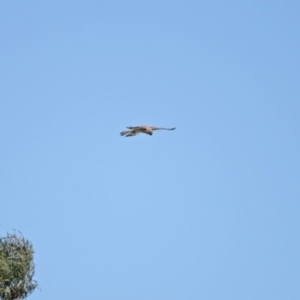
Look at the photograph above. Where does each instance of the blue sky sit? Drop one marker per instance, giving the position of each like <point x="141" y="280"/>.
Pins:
<point x="208" y="211"/>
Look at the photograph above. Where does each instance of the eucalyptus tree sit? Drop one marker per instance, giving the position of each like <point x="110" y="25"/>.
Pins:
<point x="16" y="267"/>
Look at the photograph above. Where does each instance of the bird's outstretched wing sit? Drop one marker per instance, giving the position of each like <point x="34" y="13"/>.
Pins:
<point x="136" y="127"/>
<point x="149" y="127"/>
<point x="161" y="128"/>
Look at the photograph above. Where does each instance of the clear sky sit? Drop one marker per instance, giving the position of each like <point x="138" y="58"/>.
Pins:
<point x="208" y="211"/>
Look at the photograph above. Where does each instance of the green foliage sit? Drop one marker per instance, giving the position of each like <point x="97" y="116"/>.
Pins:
<point x="16" y="267"/>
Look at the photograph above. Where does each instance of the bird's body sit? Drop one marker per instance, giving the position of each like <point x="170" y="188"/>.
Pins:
<point x="134" y="130"/>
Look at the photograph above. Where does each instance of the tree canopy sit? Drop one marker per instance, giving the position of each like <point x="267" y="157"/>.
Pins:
<point x="16" y="267"/>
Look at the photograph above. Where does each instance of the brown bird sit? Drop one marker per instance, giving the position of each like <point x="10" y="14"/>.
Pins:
<point x="142" y="129"/>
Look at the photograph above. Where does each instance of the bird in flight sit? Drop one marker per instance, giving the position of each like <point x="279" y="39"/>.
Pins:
<point x="142" y="129"/>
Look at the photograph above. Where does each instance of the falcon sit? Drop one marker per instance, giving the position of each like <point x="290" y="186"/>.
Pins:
<point x="142" y="129"/>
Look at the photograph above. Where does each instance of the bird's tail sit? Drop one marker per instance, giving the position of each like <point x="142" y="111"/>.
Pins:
<point x="125" y="132"/>
<point x="128" y="133"/>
